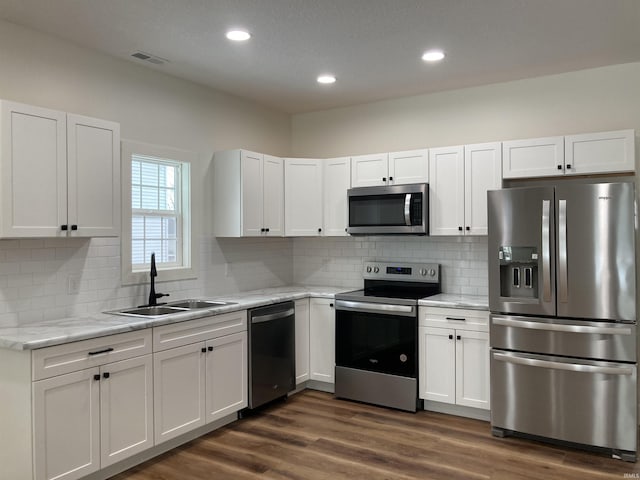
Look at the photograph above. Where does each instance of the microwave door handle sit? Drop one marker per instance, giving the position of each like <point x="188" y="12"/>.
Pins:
<point x="407" y="209"/>
<point x="546" y="255"/>
<point x="563" y="293"/>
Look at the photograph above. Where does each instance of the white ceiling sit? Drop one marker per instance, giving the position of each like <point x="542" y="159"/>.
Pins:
<point x="372" y="46"/>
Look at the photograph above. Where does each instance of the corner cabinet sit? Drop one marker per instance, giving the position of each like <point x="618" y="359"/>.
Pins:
<point x="453" y="353"/>
<point x="248" y="194"/>
<point x="59" y="173"/>
<point x="303" y="197"/>
<point x="459" y="180"/>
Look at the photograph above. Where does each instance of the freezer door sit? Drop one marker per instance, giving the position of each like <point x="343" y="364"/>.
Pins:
<point x="522" y="251"/>
<point x="596" y="251"/>
<point x="581" y="401"/>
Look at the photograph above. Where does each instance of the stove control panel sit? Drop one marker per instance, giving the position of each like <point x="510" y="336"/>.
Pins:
<point x="410" y="272"/>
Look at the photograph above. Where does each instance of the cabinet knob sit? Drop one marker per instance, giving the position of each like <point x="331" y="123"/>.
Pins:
<point x="568" y="165"/>
<point x="210" y="349"/>
<point x="74" y="227"/>
<point x="203" y="350"/>
<point x="64" y="227"/>
<point x="384" y="179"/>
<point x="391" y="179"/>
<point x="106" y="375"/>
<point x="459" y="229"/>
<point x="96" y="377"/>
<point x="262" y="230"/>
<point x="450" y="337"/>
<point x="331" y="305"/>
<point x="559" y="167"/>
<point x="319" y="230"/>
<point x="467" y="228"/>
<point x="458" y="337"/>
<point x="266" y="229"/>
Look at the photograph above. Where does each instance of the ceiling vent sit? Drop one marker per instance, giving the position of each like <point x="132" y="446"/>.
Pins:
<point x="147" y="57"/>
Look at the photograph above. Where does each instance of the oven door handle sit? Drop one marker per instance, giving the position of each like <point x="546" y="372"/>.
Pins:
<point x="349" y="305"/>
<point x="555" y="327"/>
<point x="571" y="367"/>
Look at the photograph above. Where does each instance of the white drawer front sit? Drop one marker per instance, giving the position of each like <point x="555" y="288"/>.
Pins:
<point x="460" y="319"/>
<point x="191" y="331"/>
<point x="71" y="357"/>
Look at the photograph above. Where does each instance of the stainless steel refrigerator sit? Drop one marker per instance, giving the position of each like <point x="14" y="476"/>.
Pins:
<point x="562" y="288"/>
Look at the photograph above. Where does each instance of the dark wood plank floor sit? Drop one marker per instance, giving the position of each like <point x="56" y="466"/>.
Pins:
<point x="314" y="436"/>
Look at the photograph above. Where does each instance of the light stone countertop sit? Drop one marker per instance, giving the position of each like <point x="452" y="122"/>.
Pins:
<point x="447" y="300"/>
<point x="66" y="330"/>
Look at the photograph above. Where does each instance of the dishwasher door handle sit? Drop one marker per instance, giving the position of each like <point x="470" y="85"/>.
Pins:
<point x="273" y="316"/>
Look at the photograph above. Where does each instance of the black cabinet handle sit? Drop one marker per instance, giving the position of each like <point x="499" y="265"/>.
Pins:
<point x="266" y="229"/>
<point x="384" y="179"/>
<point x="96" y="377"/>
<point x="64" y="227"/>
<point x="98" y="352"/>
<point x="458" y="319"/>
<point x="74" y="227"/>
<point x="331" y="305"/>
<point x="203" y="350"/>
<point x="467" y="228"/>
<point x="559" y="167"/>
<point x="459" y="229"/>
<point x="450" y="337"/>
<point x="210" y="349"/>
<point x="319" y="230"/>
<point x="568" y="165"/>
<point x="262" y="230"/>
<point x="391" y="179"/>
<point x="106" y="375"/>
<point x="458" y="337"/>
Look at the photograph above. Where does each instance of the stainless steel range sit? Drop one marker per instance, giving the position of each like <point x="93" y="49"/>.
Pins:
<point x="377" y="334"/>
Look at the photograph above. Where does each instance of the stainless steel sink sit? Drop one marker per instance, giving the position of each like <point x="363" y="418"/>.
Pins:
<point x="192" y="304"/>
<point x="150" y="311"/>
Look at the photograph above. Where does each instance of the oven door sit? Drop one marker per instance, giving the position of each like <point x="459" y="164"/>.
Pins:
<point x="377" y="337"/>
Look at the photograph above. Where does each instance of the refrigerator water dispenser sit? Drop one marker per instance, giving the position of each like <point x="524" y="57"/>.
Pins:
<point x="518" y="271"/>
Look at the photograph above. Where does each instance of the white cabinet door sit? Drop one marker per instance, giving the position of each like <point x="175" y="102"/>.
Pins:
<point x="126" y="408"/>
<point x="178" y="390"/>
<point x="33" y="171"/>
<point x="93" y="152"/>
<point x="337" y="180"/>
<point x="600" y="152"/>
<point x="252" y="195"/>
<point x="302" y="340"/>
<point x="437" y="367"/>
<point x="66" y="419"/>
<point x="273" y="196"/>
<point x="226" y="377"/>
<point x="446" y="191"/>
<point x="534" y="157"/>
<point x="370" y="170"/>
<point x="482" y="172"/>
<point x="303" y="197"/>
<point x="322" y="357"/>
<point x="472" y="369"/>
<point x="409" y="167"/>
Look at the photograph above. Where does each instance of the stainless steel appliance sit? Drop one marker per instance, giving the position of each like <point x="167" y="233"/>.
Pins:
<point x="563" y="324"/>
<point x="272" y="357"/>
<point x="389" y="210"/>
<point x="377" y="334"/>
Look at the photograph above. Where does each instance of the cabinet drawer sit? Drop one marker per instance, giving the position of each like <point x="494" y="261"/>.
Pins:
<point x="191" y="331"/>
<point x="71" y="357"/>
<point x="460" y="319"/>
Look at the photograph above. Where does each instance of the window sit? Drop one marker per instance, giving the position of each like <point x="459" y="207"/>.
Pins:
<point x="156" y="214"/>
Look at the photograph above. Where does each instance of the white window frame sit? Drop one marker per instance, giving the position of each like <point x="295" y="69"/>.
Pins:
<point x="187" y="269"/>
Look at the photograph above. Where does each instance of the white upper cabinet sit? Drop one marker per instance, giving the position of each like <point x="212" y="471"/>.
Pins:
<point x="535" y="157"/>
<point x="394" y="168"/>
<point x="409" y="167"/>
<point x="248" y="194"/>
<point x="599" y="152"/>
<point x="337" y="180"/>
<point x="369" y="170"/>
<point x="459" y="180"/>
<point x="60" y="173"/>
<point x="303" y="196"/>
<point x="604" y="152"/>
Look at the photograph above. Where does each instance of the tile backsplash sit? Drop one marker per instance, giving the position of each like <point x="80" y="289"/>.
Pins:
<point x="46" y="279"/>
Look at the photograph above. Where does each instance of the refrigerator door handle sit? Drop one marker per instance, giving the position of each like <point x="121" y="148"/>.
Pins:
<point x="562" y="252"/>
<point x="546" y="255"/>
<point x="572" y="367"/>
<point x="554" y="327"/>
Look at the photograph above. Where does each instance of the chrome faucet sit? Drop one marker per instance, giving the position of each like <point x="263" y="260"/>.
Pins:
<point x="153" y="296"/>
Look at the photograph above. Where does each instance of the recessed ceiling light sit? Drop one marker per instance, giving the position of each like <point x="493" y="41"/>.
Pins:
<point x="433" y="55"/>
<point x="238" y="35"/>
<point x="326" y="79"/>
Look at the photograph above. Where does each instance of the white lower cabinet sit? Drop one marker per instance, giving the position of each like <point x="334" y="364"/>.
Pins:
<point x="453" y="353"/>
<point x="322" y="340"/>
<point x="203" y="377"/>
<point x="92" y="418"/>
<point x="302" y="340"/>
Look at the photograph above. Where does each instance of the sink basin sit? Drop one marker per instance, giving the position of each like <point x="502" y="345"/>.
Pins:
<point x="192" y="304"/>
<point x="150" y="311"/>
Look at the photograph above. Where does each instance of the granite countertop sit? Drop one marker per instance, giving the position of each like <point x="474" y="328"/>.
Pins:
<point x="66" y="330"/>
<point x="448" y="300"/>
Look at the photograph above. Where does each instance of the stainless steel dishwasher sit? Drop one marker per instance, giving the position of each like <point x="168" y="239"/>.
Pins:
<point x="272" y="354"/>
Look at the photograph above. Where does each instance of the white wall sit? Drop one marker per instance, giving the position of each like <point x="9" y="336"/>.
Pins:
<point x="151" y="107"/>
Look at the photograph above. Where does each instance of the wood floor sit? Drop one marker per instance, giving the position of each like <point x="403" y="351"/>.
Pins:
<point x="314" y="436"/>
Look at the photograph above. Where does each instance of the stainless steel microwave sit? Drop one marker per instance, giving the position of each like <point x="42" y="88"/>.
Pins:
<point x="389" y="210"/>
